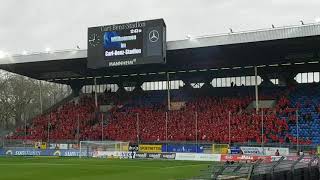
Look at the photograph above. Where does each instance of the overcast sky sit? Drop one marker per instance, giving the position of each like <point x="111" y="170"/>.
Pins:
<point x="34" y="25"/>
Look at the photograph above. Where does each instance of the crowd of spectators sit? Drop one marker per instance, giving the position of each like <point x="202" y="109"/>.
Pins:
<point x="206" y="119"/>
<point x="202" y="119"/>
<point x="61" y="123"/>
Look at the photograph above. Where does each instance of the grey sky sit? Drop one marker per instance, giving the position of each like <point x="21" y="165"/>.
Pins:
<point x="33" y="25"/>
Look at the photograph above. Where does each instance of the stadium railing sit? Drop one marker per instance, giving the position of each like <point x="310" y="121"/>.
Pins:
<point x="294" y="148"/>
<point x="185" y="146"/>
<point x="281" y="169"/>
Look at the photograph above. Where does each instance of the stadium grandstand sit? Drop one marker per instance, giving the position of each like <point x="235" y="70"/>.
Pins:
<point x="255" y="88"/>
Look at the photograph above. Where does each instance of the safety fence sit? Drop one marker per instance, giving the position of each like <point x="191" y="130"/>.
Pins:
<point x="281" y="167"/>
<point x="185" y="147"/>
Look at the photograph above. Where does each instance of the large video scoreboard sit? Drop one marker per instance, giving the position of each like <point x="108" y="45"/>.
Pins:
<point x="142" y="42"/>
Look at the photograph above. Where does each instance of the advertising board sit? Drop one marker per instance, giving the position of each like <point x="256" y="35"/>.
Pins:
<point x="41" y="152"/>
<point x="269" y="151"/>
<point x="150" y="148"/>
<point x="250" y="158"/>
<point x="252" y="150"/>
<point x="197" y="157"/>
<point x="234" y="150"/>
<point x="188" y="148"/>
<point x="168" y="156"/>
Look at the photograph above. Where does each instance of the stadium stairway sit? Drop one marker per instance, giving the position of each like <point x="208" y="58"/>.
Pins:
<point x="265" y="104"/>
<point x="69" y="98"/>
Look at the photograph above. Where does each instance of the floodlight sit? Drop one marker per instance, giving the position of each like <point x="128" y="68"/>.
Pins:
<point x="48" y="50"/>
<point x="3" y="54"/>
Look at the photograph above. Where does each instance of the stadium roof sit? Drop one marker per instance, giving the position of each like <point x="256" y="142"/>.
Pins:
<point x="294" y="44"/>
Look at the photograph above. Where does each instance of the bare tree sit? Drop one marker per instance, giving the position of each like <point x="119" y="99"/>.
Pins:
<point x="19" y="98"/>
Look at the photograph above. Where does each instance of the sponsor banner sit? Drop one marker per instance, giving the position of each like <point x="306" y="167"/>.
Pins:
<point x="168" y="156"/>
<point x="63" y="146"/>
<point x="53" y="146"/>
<point x="113" y="154"/>
<point x="252" y="150"/>
<point x="23" y="152"/>
<point x="185" y="156"/>
<point x="188" y="148"/>
<point x="238" y="158"/>
<point x="141" y="156"/>
<point x="220" y="148"/>
<point x="155" y="156"/>
<point x="133" y="147"/>
<point x="126" y="155"/>
<point x="234" y="150"/>
<point x="208" y="157"/>
<point x="73" y="153"/>
<point x="107" y="154"/>
<point x="271" y="151"/>
<point x="39" y="152"/>
<point x="268" y="151"/>
<point x="150" y="148"/>
<point x="198" y="157"/>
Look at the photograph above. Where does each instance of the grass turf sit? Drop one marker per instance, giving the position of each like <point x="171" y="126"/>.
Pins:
<point x="41" y="168"/>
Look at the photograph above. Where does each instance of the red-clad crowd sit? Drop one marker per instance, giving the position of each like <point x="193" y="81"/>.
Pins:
<point x="204" y="119"/>
<point x="61" y="123"/>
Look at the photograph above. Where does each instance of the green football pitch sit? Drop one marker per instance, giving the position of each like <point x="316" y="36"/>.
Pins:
<point x="41" y="168"/>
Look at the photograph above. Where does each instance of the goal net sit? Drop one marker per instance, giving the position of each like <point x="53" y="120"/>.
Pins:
<point x="103" y="149"/>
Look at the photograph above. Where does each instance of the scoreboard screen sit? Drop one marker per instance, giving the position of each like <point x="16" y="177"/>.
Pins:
<point x="142" y="42"/>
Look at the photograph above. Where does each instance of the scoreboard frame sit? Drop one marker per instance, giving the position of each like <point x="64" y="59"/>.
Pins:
<point x="134" y="43"/>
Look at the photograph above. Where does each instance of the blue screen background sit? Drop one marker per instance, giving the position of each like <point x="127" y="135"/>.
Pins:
<point x="107" y="40"/>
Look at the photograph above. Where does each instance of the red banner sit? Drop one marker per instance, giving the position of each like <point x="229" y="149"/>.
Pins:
<point x="249" y="158"/>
